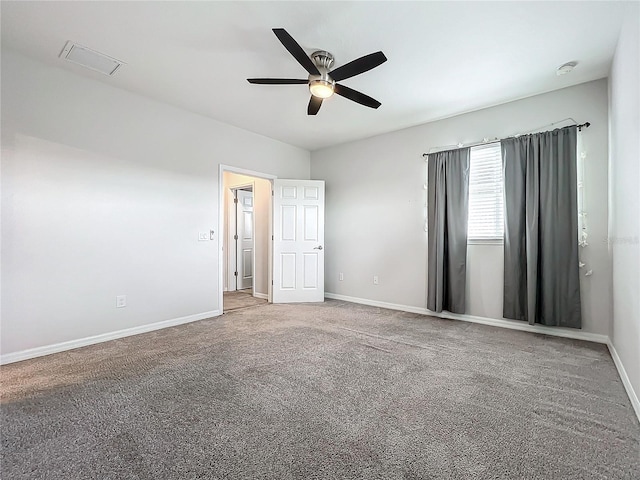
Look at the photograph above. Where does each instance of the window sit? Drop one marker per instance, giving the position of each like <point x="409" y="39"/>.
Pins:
<point x="486" y="219"/>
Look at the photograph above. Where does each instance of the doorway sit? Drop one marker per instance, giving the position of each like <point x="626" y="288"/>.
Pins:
<point x="241" y="240"/>
<point x="246" y="238"/>
<point x="288" y="230"/>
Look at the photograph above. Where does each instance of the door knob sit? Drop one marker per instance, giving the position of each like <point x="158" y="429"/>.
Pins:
<point x="319" y="247"/>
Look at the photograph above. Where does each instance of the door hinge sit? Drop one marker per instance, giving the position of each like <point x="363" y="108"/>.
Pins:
<point x="235" y="274"/>
<point x="271" y="237"/>
<point x="272" y="193"/>
<point x="235" y="237"/>
<point x="235" y="200"/>
<point x="271" y="282"/>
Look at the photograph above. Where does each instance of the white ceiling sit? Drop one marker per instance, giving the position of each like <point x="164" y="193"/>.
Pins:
<point x="445" y="58"/>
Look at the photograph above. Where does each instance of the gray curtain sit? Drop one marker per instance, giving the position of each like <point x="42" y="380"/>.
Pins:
<point x="541" y="279"/>
<point x="448" y="200"/>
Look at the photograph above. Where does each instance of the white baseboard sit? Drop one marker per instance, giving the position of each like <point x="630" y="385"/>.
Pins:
<point x="494" y="322"/>
<point x="104" y="337"/>
<point x="264" y="296"/>
<point x="625" y="379"/>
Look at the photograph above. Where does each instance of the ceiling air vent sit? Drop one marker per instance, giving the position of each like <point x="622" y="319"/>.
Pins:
<point x="90" y="58"/>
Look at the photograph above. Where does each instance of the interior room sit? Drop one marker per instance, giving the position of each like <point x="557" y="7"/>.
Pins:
<point x="294" y="240"/>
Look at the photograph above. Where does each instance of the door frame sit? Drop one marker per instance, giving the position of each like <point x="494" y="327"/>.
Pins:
<point x="229" y="234"/>
<point x="222" y="231"/>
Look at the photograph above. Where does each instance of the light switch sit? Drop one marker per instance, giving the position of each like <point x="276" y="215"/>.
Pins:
<point x="121" y="301"/>
<point x="203" y="236"/>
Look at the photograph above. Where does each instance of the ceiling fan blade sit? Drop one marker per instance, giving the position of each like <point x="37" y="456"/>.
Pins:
<point x="314" y="105"/>
<point x="296" y="50"/>
<point x="277" y="81"/>
<point x="358" y="66"/>
<point x="356" y="96"/>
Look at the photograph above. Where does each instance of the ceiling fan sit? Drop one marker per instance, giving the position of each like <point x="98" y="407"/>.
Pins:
<point x="322" y="80"/>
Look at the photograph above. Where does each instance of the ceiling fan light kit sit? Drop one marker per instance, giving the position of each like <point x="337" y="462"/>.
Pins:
<point x="321" y="88"/>
<point x="322" y="80"/>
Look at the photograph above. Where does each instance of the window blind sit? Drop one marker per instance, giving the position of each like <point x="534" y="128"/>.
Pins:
<point x="486" y="218"/>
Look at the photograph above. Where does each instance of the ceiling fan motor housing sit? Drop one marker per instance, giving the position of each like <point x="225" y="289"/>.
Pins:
<point x="322" y="85"/>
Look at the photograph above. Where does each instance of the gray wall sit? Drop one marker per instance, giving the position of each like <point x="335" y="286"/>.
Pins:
<point x="624" y="238"/>
<point x="103" y="194"/>
<point x="376" y="205"/>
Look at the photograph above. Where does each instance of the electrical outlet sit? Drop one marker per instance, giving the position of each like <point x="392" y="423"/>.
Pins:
<point x="341" y="276"/>
<point x="121" y="301"/>
<point x="375" y="280"/>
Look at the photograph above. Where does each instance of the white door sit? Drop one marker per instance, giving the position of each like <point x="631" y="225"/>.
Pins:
<point x="244" y="242"/>
<point x="298" y="241"/>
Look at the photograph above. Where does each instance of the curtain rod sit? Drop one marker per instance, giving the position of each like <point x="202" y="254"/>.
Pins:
<point x="488" y="141"/>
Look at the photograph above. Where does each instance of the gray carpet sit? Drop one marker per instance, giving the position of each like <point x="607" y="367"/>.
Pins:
<point x="240" y="299"/>
<point x="321" y="391"/>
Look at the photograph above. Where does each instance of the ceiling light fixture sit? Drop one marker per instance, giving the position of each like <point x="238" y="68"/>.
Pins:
<point x="566" y="68"/>
<point x="321" y="88"/>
